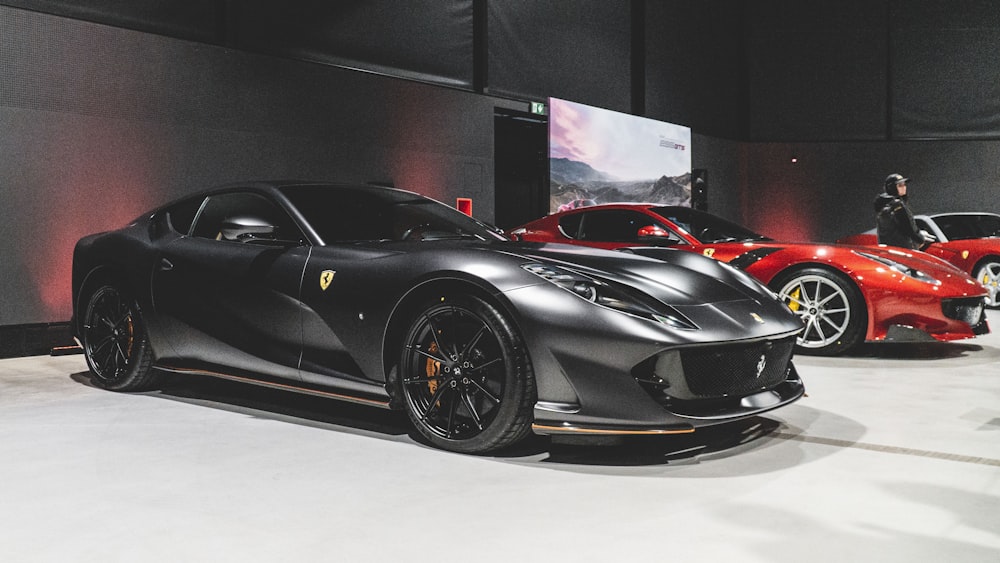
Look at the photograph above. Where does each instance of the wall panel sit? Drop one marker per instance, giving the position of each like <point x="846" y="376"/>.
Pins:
<point x="101" y="123"/>
<point x="817" y="70"/>
<point x="578" y="51"/>
<point x="945" y="76"/>
<point x="694" y="66"/>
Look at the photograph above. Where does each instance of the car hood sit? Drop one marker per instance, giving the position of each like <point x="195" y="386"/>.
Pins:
<point x="714" y="295"/>
<point x="672" y="276"/>
<point x="913" y="259"/>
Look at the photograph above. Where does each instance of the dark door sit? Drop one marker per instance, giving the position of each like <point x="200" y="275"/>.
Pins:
<point x="234" y="303"/>
<point x="521" y="170"/>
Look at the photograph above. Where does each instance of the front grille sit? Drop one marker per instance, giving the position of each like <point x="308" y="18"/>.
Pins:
<point x="969" y="310"/>
<point x="715" y="372"/>
<point x="736" y="369"/>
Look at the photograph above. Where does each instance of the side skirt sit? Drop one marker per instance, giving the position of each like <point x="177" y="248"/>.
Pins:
<point x="375" y="399"/>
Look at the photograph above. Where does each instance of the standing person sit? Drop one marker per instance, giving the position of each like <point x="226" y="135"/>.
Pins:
<point x="893" y="218"/>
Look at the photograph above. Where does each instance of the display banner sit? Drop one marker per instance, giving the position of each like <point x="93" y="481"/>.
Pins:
<point x="603" y="156"/>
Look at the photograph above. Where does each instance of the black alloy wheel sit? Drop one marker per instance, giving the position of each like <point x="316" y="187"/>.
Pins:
<point x="465" y="378"/>
<point x="115" y="342"/>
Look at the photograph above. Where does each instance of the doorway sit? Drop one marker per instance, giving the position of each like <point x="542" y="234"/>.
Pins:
<point x="521" y="167"/>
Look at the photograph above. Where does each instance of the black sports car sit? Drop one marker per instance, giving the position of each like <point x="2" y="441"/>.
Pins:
<point x="388" y="298"/>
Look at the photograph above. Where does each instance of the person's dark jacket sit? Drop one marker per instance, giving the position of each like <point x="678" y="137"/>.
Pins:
<point x="894" y="223"/>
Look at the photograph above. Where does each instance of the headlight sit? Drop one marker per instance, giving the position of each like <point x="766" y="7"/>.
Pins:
<point x="612" y="295"/>
<point x="901" y="268"/>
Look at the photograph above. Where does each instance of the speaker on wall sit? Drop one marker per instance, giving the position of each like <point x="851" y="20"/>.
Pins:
<point x="699" y="189"/>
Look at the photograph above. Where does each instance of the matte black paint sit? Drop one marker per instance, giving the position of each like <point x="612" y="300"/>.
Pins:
<point x="258" y="312"/>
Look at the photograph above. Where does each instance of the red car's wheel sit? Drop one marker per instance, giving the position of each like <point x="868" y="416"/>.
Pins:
<point x="831" y="308"/>
<point x="988" y="274"/>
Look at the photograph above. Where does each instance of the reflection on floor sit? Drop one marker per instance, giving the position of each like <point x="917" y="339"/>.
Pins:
<point x="893" y="456"/>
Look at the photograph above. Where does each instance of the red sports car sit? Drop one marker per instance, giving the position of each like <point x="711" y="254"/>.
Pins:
<point x="844" y="294"/>
<point x="970" y="241"/>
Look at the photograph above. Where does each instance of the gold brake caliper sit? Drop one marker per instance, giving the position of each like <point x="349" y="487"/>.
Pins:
<point x="433" y="369"/>
<point x="131" y="336"/>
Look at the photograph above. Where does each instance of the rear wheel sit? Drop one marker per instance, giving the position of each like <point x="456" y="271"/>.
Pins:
<point x="988" y="274"/>
<point x="831" y="308"/>
<point x="115" y="342"/>
<point x="465" y="377"/>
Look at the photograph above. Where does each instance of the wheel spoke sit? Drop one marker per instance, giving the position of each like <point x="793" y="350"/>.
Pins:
<point x="827" y="299"/>
<point x="472" y="410"/>
<point x="834" y="325"/>
<point x="819" y="287"/>
<point x="481" y="367"/>
<point x="427" y="354"/>
<point x="434" y="334"/>
<point x="450" y="427"/>
<point x="435" y="401"/>
<point x="486" y="392"/>
<point x="475" y="340"/>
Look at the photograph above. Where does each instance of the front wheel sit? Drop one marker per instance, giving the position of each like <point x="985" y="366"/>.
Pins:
<point x="115" y="342"/>
<point x="831" y="308"/>
<point x="988" y="274"/>
<point x="465" y="376"/>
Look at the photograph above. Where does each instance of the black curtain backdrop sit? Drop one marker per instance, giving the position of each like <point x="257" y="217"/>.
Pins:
<point x="945" y="69"/>
<point x="426" y="40"/>
<point x="694" y="71"/>
<point x="817" y="70"/>
<point x="578" y="50"/>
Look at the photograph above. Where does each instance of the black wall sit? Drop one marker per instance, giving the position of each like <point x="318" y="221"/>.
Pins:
<point x="101" y="123"/>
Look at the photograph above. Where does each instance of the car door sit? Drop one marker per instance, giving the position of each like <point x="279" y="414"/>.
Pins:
<point x="234" y="303"/>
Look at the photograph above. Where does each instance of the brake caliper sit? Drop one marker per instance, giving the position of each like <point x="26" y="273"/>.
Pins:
<point x="433" y="369"/>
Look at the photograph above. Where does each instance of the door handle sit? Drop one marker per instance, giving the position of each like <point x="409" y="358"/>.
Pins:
<point x="166" y="265"/>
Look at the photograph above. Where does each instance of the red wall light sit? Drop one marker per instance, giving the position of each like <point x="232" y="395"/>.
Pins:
<point x="464" y="204"/>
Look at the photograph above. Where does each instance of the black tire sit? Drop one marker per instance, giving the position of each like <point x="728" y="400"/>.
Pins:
<point x="465" y="378"/>
<point x="987" y="273"/>
<point x="115" y="342"/>
<point x="831" y="308"/>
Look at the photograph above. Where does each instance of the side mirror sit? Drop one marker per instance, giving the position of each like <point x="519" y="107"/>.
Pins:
<point x="247" y="228"/>
<point x="654" y="235"/>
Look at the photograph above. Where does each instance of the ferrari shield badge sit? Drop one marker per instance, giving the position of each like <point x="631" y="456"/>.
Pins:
<point x="325" y="278"/>
<point x="709" y="252"/>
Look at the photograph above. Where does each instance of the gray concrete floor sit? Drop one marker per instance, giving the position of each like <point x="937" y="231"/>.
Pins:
<point x="893" y="456"/>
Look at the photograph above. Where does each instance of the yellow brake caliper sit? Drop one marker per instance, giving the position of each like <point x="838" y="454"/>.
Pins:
<point x="793" y="297"/>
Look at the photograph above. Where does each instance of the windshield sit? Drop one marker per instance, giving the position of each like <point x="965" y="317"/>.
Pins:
<point x="352" y="214"/>
<point x="705" y="227"/>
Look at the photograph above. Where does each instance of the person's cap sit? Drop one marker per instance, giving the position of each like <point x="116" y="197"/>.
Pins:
<point x="892" y="179"/>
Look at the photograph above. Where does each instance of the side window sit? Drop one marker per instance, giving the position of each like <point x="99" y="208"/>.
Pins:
<point x="616" y="225"/>
<point x="570" y="225"/>
<point x="182" y="215"/>
<point x="988" y="226"/>
<point x="355" y="216"/>
<point x="221" y="207"/>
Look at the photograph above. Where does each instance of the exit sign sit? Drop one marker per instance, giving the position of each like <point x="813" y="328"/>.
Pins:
<point x="538" y="108"/>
